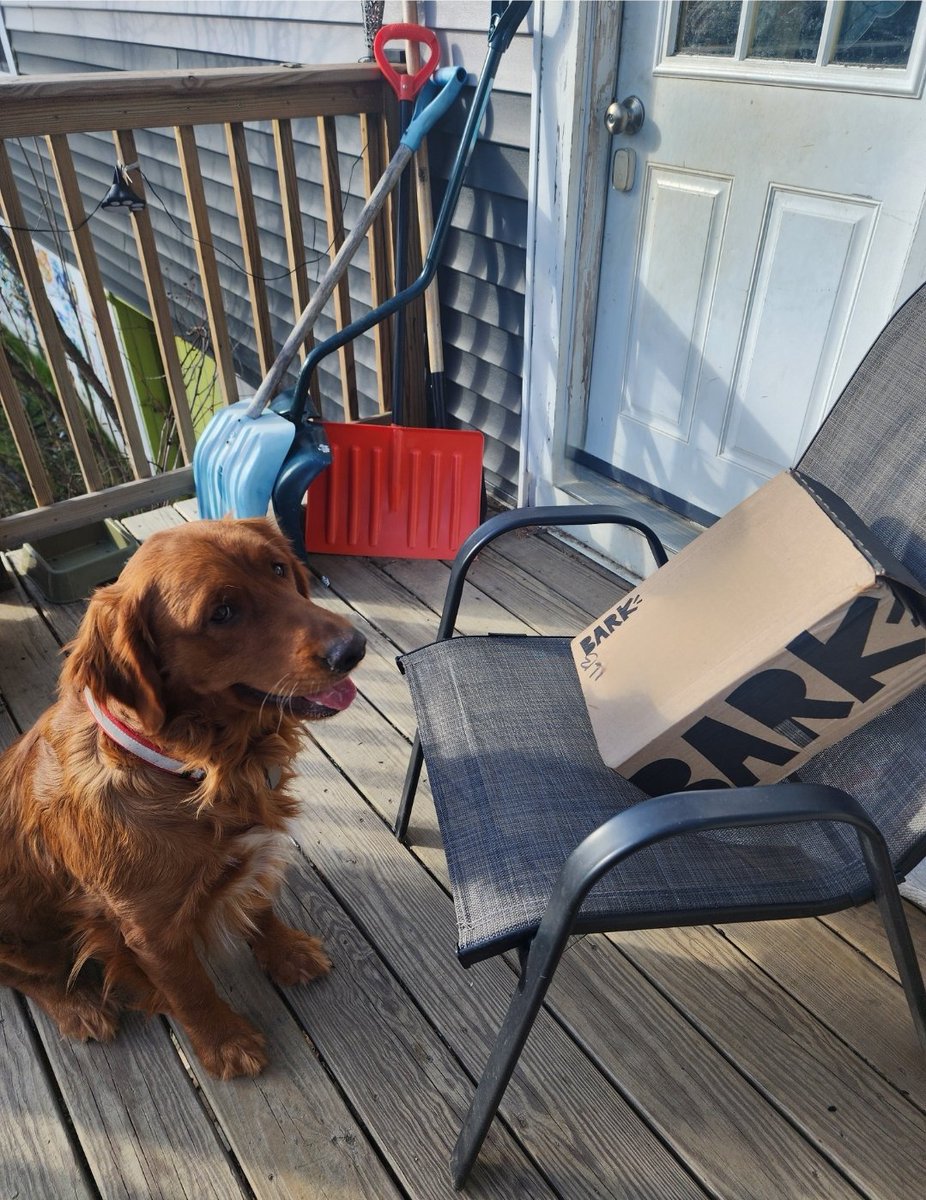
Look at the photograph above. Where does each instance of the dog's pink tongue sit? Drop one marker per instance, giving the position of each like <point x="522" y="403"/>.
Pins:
<point x="337" y="697"/>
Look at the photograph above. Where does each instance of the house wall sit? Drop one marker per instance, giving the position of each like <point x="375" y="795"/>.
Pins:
<point x="482" y="273"/>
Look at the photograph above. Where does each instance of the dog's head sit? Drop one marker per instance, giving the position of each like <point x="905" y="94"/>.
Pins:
<point x="213" y="618"/>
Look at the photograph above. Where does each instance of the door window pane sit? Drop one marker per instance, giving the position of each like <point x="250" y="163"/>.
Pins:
<point x="707" y="27"/>
<point x="877" y="34"/>
<point x="788" y="29"/>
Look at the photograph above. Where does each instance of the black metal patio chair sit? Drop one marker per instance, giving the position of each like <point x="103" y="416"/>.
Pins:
<point x="544" y="841"/>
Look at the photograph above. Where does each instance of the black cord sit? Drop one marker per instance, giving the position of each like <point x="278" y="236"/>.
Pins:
<point x="250" y="274"/>
<point x="52" y="228"/>
<point x="57" y="229"/>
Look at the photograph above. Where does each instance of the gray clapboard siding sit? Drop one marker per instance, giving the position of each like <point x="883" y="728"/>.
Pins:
<point x="482" y="275"/>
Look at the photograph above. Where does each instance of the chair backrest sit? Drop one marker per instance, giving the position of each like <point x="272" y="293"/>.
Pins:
<point x="871" y="450"/>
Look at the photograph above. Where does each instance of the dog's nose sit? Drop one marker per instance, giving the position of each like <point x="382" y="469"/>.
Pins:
<point x="346" y="652"/>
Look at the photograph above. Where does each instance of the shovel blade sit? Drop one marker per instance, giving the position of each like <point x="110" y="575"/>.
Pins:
<point x="396" y="492"/>
<point x="237" y="460"/>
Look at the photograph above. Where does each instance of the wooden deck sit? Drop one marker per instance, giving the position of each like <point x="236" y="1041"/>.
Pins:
<point x="750" y="1061"/>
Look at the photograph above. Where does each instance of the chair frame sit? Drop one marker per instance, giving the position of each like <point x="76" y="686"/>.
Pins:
<point x="644" y="824"/>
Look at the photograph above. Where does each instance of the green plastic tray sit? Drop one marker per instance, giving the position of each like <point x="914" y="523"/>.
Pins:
<point x="68" y="566"/>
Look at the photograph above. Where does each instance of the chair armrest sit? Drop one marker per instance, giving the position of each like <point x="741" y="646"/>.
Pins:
<point x="522" y="518"/>
<point x="663" y="817"/>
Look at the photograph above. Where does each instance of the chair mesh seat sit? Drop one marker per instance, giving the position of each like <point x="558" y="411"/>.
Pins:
<point x="518" y="783"/>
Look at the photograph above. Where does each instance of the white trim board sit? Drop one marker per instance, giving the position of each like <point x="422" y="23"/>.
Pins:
<point x="575" y="80"/>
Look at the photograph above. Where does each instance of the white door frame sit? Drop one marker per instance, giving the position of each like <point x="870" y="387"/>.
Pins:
<point x="575" y="75"/>
<point x="565" y="207"/>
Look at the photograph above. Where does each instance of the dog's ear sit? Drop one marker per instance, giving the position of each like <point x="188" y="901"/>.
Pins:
<point x="113" y="655"/>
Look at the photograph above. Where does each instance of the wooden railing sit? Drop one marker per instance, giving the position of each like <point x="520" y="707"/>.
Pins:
<point x="53" y="107"/>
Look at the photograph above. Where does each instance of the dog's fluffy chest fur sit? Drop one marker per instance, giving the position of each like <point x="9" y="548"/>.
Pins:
<point x="255" y="863"/>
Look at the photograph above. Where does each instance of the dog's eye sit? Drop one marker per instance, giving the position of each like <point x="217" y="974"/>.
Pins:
<point x="279" y="569"/>
<point x="221" y="614"/>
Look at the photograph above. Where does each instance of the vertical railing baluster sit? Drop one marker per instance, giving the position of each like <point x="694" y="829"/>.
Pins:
<point x="374" y="161"/>
<point x="157" y="299"/>
<point x="250" y="241"/>
<point x="334" y="211"/>
<point x="28" y="448"/>
<point x="205" y="257"/>
<point x="71" y="199"/>
<point x="292" y="228"/>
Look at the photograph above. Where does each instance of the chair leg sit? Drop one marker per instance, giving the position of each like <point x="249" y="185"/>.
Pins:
<point x="541" y="962"/>
<point x="412" y="775"/>
<point x="890" y="906"/>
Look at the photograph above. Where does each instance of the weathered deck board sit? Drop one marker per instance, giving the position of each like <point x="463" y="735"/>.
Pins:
<point x="812" y="963"/>
<point x="828" y="1091"/>
<point x="730" y="1063"/>
<point x="290" y="1130"/>
<point x="862" y="928"/>
<point x="37" y="1157"/>
<point x="404" y="1071"/>
<point x="136" y="1114"/>
<point x="556" y="1095"/>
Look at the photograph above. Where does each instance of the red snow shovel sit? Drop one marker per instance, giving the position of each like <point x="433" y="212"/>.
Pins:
<point x="393" y="490"/>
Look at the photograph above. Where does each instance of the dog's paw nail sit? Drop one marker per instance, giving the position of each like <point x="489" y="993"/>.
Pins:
<point x="243" y="1054"/>
<point x="85" y="1023"/>
<point x="304" y="960"/>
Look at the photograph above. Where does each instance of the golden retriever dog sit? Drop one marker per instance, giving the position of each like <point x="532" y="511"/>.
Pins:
<point x="146" y="813"/>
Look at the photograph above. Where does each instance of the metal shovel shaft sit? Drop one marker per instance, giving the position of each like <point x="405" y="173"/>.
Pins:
<point x="328" y="282"/>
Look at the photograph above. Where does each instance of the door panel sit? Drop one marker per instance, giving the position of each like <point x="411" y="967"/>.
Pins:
<point x="682" y="228"/>
<point x="794" y="328"/>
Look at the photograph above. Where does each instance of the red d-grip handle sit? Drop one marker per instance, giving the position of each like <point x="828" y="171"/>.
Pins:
<point x="406" y="87"/>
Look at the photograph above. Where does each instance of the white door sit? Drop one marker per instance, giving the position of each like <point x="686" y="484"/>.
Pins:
<point x="778" y="194"/>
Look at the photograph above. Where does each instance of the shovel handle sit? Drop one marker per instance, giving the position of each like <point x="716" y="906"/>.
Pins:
<point x="328" y="282"/>
<point x="406" y="87"/>
<point x="450" y="81"/>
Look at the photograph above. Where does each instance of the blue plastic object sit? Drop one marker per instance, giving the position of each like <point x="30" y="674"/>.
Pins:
<point x="447" y="83"/>
<point x="237" y="460"/>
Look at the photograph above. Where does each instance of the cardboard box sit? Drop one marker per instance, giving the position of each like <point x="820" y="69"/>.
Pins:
<point x="772" y="635"/>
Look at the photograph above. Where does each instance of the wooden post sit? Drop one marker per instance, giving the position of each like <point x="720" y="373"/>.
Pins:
<point x="205" y="256"/>
<point x="250" y="241"/>
<point x="157" y="300"/>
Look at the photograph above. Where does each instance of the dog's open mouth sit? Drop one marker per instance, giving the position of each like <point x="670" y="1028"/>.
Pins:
<point x="320" y="704"/>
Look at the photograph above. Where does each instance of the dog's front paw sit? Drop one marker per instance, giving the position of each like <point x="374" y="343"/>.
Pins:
<point x="85" y="1017"/>
<point x="295" y="958"/>
<point x="239" y="1052"/>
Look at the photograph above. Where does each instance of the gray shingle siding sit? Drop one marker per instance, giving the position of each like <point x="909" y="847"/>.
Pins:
<point x="482" y="273"/>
